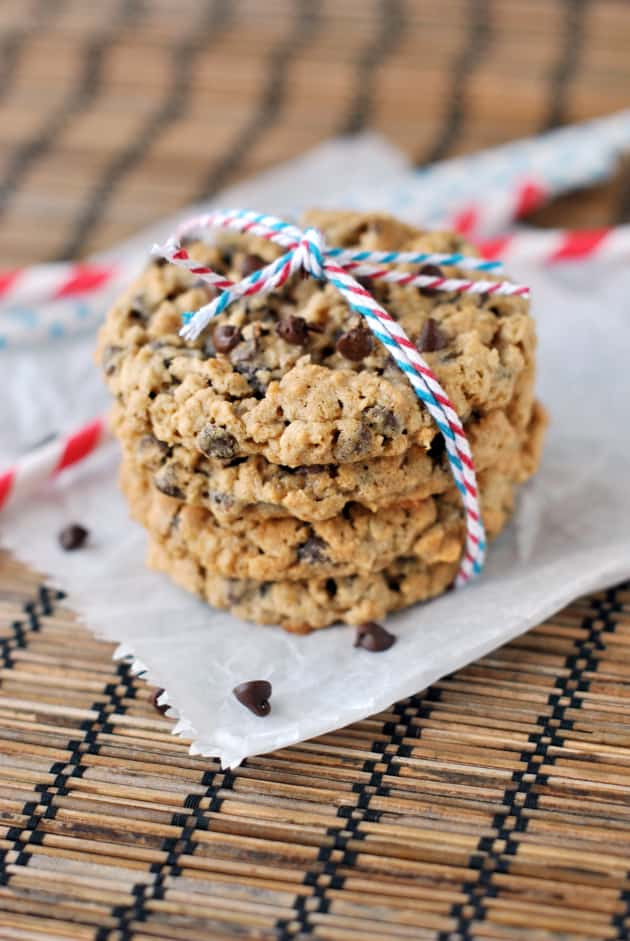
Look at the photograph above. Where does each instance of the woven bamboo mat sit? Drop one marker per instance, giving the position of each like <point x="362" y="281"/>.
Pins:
<point x="495" y="805"/>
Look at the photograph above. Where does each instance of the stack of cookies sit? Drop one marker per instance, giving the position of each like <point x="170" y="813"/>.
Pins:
<point x="282" y="464"/>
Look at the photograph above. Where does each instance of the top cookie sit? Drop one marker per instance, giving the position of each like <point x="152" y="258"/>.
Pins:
<point x="294" y="376"/>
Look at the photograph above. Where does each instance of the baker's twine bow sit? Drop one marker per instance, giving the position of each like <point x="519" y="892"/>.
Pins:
<point x="308" y="251"/>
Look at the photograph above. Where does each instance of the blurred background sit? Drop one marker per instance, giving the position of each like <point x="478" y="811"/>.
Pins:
<point x="117" y="112"/>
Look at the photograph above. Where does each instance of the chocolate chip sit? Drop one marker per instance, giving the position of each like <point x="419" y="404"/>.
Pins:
<point x="154" y="700"/>
<point x="432" y="271"/>
<point x="255" y="696"/>
<point x="166" y="482"/>
<point x="350" y="448"/>
<point x="151" y="451"/>
<point x="251" y="263"/>
<point x="437" y="448"/>
<point x="160" y="262"/>
<point x="254" y="378"/>
<point x="312" y="551"/>
<point x="109" y="359"/>
<point x="331" y="587"/>
<point x="355" y="344"/>
<point x="293" y="330"/>
<point x="373" y="637"/>
<point x="382" y="420"/>
<point x="139" y="311"/>
<point x="216" y="442"/>
<point x="309" y="469"/>
<point x="432" y="337"/>
<point x="73" y="537"/>
<point x="225" y="337"/>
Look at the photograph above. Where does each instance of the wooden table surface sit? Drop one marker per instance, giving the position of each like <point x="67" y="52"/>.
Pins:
<point x="495" y="805"/>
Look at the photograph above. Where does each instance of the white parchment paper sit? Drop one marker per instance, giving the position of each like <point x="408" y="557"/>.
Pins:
<point x="570" y="535"/>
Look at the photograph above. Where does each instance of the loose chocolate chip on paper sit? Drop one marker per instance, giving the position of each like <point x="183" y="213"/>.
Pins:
<point x="154" y="700"/>
<point x="373" y="637"/>
<point x="251" y="263"/>
<point x="225" y="337"/>
<point x="293" y="330"/>
<point x="355" y="344"/>
<point x="254" y="695"/>
<point x="432" y="337"/>
<point x="73" y="537"/>
<point x="431" y="271"/>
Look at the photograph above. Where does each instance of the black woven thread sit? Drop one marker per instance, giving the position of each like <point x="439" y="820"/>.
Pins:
<point x="621" y="922"/>
<point x="184" y="58"/>
<point x="80" y="98"/>
<point x="175" y="848"/>
<point x="478" y="38"/>
<point x="43" y="606"/>
<point x="274" y="93"/>
<point x="353" y="814"/>
<point x="392" y="23"/>
<point x="568" y="62"/>
<point x="489" y="858"/>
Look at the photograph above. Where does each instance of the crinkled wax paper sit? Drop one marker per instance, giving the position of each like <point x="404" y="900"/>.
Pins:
<point x="570" y="535"/>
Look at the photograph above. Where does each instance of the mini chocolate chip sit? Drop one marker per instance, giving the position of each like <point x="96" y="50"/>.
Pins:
<point x="73" y="537"/>
<point x="138" y="313"/>
<point x="432" y="337"/>
<point x="255" y="696"/>
<point x="312" y="551"/>
<point x="216" y="442"/>
<point x="254" y="377"/>
<point x="251" y="263"/>
<point x="154" y="700"/>
<point x="437" y="448"/>
<point x="381" y="419"/>
<point x="373" y="637"/>
<point x="166" y="482"/>
<point x="355" y="344"/>
<point x="151" y="451"/>
<point x="109" y="359"/>
<point x="293" y="330"/>
<point x="309" y="468"/>
<point x="432" y="271"/>
<point x="331" y="587"/>
<point x="225" y="337"/>
<point x="160" y="262"/>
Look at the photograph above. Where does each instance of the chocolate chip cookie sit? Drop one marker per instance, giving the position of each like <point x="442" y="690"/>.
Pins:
<point x="295" y="376"/>
<point x="281" y="463"/>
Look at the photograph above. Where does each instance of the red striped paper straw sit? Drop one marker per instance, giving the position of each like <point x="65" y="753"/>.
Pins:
<point x="45" y="463"/>
<point x="551" y="246"/>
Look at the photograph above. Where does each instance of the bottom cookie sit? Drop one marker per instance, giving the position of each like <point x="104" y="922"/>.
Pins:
<point x="301" y="606"/>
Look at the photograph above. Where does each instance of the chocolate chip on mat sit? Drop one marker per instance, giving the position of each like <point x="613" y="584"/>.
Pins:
<point x="355" y="344"/>
<point x="255" y="695"/>
<point x="154" y="700"/>
<point x="431" y="337"/>
<point x="373" y="637"/>
<point x="225" y="337"/>
<point x="251" y="263"/>
<point x="72" y="537"/>
<point x="293" y="330"/>
<point x="431" y="271"/>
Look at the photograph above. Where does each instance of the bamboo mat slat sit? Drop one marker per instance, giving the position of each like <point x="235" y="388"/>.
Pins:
<point x="494" y="805"/>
